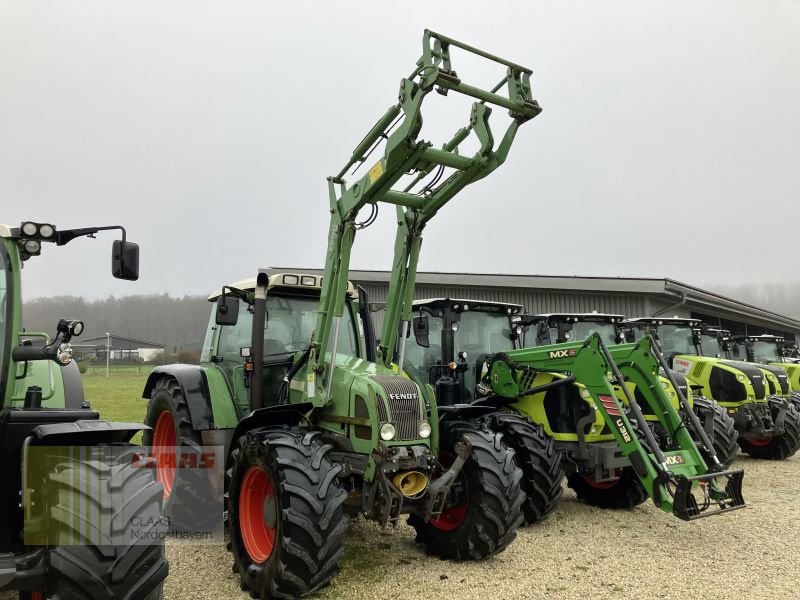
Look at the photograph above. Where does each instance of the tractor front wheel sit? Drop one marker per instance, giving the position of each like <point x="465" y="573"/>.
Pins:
<point x="484" y="506"/>
<point x="107" y="510"/>
<point x="779" y="447"/>
<point x="536" y="455"/>
<point x="285" y="513"/>
<point x="624" y="492"/>
<point x="725" y="437"/>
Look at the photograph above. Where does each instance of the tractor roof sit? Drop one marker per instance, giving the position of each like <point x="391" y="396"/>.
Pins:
<point x="764" y="337"/>
<point x="664" y="321"/>
<point x="286" y="282"/>
<point x="594" y="317"/>
<point x="462" y="305"/>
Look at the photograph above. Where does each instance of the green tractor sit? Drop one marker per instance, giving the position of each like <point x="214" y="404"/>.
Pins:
<point x="718" y="425"/>
<point x="316" y="423"/>
<point x="469" y="350"/>
<point x="69" y="529"/>
<point x="767" y="425"/>
<point x="773" y="351"/>
<point x="716" y="343"/>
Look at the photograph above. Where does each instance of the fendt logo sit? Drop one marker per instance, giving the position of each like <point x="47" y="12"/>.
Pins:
<point x="407" y="396"/>
<point x="563" y="353"/>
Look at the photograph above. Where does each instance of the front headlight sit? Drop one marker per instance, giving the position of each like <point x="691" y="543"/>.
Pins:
<point x="387" y="432"/>
<point x="424" y="429"/>
<point x="740" y="377"/>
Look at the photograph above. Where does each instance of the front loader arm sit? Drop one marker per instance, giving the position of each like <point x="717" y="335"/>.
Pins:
<point x="667" y="477"/>
<point x="405" y="154"/>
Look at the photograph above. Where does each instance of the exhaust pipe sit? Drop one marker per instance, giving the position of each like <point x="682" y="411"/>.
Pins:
<point x="410" y="483"/>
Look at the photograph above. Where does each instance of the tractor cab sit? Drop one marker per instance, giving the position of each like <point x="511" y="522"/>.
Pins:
<point x="676" y="336"/>
<point x="559" y="328"/>
<point x="715" y="342"/>
<point x="767" y="352"/>
<point x="291" y="314"/>
<point x="764" y="349"/>
<point x="450" y="336"/>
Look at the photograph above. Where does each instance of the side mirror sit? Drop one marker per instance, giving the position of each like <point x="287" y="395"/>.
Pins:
<point x="421" y="330"/>
<point x="125" y="260"/>
<point x="227" y="310"/>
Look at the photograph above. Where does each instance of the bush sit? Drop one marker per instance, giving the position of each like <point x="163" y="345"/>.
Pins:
<point x="82" y="366"/>
<point x="191" y="357"/>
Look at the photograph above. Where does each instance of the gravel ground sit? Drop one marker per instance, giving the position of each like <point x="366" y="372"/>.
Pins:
<point x="578" y="552"/>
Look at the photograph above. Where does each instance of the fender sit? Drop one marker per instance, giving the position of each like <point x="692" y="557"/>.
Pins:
<point x="480" y="407"/>
<point x="85" y="433"/>
<point x="194" y="384"/>
<point x="73" y="385"/>
<point x="279" y="415"/>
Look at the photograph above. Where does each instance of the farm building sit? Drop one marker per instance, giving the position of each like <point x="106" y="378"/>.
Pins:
<point x="120" y="349"/>
<point x="629" y="296"/>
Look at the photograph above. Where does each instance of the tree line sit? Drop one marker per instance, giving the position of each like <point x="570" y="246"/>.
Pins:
<point x="179" y="323"/>
<point x="782" y="298"/>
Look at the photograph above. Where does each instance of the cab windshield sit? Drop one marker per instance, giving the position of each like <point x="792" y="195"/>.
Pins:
<point x="676" y="339"/>
<point x="766" y="352"/>
<point x="290" y="322"/>
<point x="583" y="329"/>
<point x="481" y="333"/>
<point x="711" y="346"/>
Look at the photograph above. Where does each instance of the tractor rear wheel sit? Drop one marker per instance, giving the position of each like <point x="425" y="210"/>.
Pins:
<point x="189" y="500"/>
<point x="725" y="438"/>
<point x="779" y="447"/>
<point x="624" y="492"/>
<point x="484" y="507"/>
<point x="536" y="455"/>
<point x="114" y="500"/>
<point x="285" y="513"/>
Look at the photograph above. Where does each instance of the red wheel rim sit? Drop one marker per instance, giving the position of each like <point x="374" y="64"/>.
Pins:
<point x="600" y="485"/>
<point x="452" y="517"/>
<point x="257" y="514"/>
<point x="164" y="440"/>
<point x="760" y="443"/>
<point x="37" y="596"/>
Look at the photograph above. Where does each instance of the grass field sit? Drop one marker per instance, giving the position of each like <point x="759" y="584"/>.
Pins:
<point x="118" y="398"/>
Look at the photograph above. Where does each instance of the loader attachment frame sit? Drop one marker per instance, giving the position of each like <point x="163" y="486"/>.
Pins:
<point x="671" y="478"/>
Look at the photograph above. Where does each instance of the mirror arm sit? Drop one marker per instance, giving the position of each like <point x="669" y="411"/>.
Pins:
<point x="67" y="235"/>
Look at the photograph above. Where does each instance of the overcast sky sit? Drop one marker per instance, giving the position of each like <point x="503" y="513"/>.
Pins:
<point x="668" y="145"/>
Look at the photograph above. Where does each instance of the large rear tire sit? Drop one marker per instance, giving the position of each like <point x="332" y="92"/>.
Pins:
<point x="725" y="438"/>
<point x="536" y="455"/>
<point x="285" y="513"/>
<point x="112" y="500"/>
<point x="780" y="447"/>
<point x="484" y="507"/>
<point x="623" y="492"/>
<point x="189" y="499"/>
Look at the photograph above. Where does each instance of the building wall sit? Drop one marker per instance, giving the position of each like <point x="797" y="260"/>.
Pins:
<point x="544" y="301"/>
